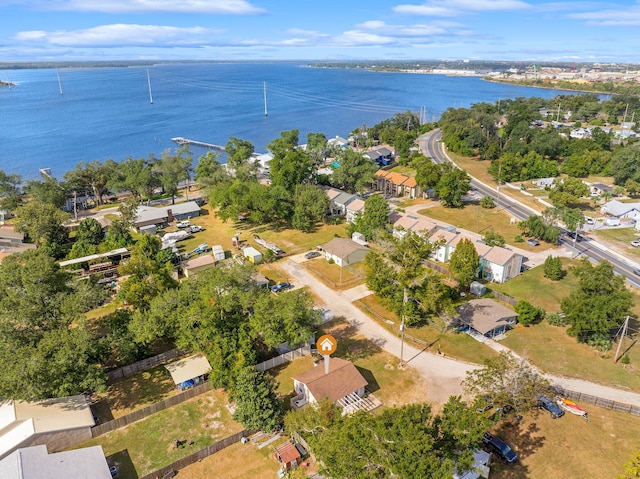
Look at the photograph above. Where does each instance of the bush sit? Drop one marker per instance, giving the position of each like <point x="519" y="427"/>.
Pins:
<point x="518" y="239"/>
<point x="555" y="319"/>
<point x="625" y="359"/>
<point x="487" y="202"/>
<point x="600" y="341"/>
<point x="553" y="268"/>
<point x="493" y="238"/>
<point x="528" y="313"/>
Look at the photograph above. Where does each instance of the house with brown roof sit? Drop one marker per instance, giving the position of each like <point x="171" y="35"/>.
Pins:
<point x="353" y="209"/>
<point x="396" y="184"/>
<point x="290" y="454"/>
<point x="500" y="264"/>
<point x="344" y="251"/>
<point x="445" y="247"/>
<point x="486" y="317"/>
<point x="342" y="384"/>
<point x="402" y="223"/>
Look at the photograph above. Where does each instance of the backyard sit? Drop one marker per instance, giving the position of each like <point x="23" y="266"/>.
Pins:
<point x="147" y="445"/>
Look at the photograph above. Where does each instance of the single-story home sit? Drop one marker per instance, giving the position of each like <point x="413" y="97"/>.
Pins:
<point x="481" y="463"/>
<point x="60" y="423"/>
<point x="338" y="141"/>
<point x="344" y="251"/>
<point x="343" y="381"/>
<point x="148" y="215"/>
<point x="188" y="372"/>
<point x="621" y="210"/>
<point x="597" y="189"/>
<point x="10" y="237"/>
<point x="195" y="265"/>
<point x="544" y="182"/>
<point x="486" y="317"/>
<point x="36" y="463"/>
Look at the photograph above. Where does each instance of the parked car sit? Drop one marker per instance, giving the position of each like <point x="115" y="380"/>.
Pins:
<point x="636" y="243"/>
<point x="533" y="242"/>
<point x="589" y="221"/>
<point x="499" y="447"/>
<point x="281" y="287"/>
<point x="547" y="404"/>
<point x="312" y="254"/>
<point x="195" y="228"/>
<point x="183" y="224"/>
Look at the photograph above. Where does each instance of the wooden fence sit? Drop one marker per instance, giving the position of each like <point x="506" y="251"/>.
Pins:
<point x="171" y="469"/>
<point x="284" y="358"/>
<point x="503" y="297"/>
<point x="598" y="401"/>
<point x="144" y="364"/>
<point x="149" y="410"/>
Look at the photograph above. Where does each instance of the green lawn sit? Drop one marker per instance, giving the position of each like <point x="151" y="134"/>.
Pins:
<point x="552" y="350"/>
<point x="621" y="239"/>
<point x="540" y="291"/>
<point x="147" y="445"/>
<point x="454" y="344"/>
<point x="335" y="276"/>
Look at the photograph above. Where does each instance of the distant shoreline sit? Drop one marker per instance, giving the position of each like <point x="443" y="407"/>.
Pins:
<point x="551" y="87"/>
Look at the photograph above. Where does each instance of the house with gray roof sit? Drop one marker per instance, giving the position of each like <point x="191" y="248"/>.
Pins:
<point x="621" y="210"/>
<point x="148" y="215"/>
<point x="486" y="317"/>
<point x="37" y="463"/>
<point x="344" y="251"/>
<point x="340" y="202"/>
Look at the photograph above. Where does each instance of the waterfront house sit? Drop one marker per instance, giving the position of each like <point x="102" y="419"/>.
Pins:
<point x="148" y="215"/>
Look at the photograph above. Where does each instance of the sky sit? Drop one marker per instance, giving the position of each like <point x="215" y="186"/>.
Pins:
<point x="76" y="30"/>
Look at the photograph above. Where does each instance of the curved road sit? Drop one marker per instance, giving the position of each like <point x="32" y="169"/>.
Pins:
<point x="432" y="147"/>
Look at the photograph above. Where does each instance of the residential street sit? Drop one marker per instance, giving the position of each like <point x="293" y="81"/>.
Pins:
<point x="442" y="375"/>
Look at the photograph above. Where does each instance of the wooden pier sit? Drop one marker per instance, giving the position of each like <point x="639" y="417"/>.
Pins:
<point x="186" y="141"/>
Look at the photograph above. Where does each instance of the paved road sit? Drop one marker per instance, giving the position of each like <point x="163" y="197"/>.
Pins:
<point x="432" y="147"/>
<point x="442" y="375"/>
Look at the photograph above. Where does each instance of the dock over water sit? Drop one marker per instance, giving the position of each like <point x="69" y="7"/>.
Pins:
<point x="186" y="141"/>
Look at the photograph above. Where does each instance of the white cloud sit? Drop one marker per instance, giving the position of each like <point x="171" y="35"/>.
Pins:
<point x="121" y="35"/>
<point x="231" y="7"/>
<point x="452" y="8"/>
<point x="359" y="38"/>
<point x="622" y="16"/>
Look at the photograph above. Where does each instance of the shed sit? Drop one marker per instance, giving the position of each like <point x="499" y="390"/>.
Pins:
<point x="198" y="264"/>
<point x="149" y="229"/>
<point x="477" y="288"/>
<point x="189" y="371"/>
<point x="288" y="455"/>
<point x="218" y="252"/>
<point x="359" y="238"/>
<point x="487" y="317"/>
<point x="252" y="254"/>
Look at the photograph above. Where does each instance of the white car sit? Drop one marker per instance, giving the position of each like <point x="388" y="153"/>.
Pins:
<point x="195" y="228"/>
<point x="636" y="243"/>
<point x="588" y="220"/>
<point x="183" y="224"/>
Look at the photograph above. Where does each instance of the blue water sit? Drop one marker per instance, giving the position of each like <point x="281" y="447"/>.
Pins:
<point x="106" y="113"/>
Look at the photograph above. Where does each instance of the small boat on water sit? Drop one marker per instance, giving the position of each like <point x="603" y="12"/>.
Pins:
<point x="569" y="406"/>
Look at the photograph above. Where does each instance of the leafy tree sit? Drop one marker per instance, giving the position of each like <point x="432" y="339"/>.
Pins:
<point x="528" y="313"/>
<point x="238" y="153"/>
<point x="89" y="231"/>
<point x="134" y="175"/>
<point x="119" y="343"/>
<point x="355" y="173"/>
<point x="428" y="173"/>
<point x="464" y="263"/>
<point x="47" y="191"/>
<point x="631" y="468"/>
<point x="172" y="169"/>
<point x="625" y="165"/>
<point x="508" y="381"/>
<point x="493" y="238"/>
<point x="290" y="168"/>
<point x="375" y="216"/>
<point x="310" y="207"/>
<point x="553" y="268"/>
<point x="316" y="141"/>
<point x="536" y="227"/>
<point x="90" y="177"/>
<point x="487" y="202"/>
<point x="600" y="302"/>
<point x="209" y="171"/>
<point x="43" y="224"/>
<point x="567" y="191"/>
<point x="285" y="318"/>
<point x="10" y="194"/>
<point x="382" y="279"/>
<point x="257" y="406"/>
<point x="452" y="186"/>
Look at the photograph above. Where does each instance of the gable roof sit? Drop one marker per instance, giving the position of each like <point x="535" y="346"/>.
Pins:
<point x="332" y="192"/>
<point x="396" y="178"/>
<point x="343" y="378"/>
<point x="287" y="452"/>
<point x="405" y="222"/>
<point x="617" y="208"/>
<point x="443" y="235"/>
<point x="484" y="315"/>
<point x="149" y="213"/>
<point x="499" y="255"/>
<point x="35" y="463"/>
<point x="204" y="260"/>
<point x="344" y="198"/>
<point x="10" y="233"/>
<point x="188" y="368"/>
<point x="382" y="173"/>
<point x="342" y="247"/>
<point x="356" y="205"/>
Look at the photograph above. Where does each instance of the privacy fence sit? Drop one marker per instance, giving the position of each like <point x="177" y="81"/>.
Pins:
<point x="171" y="469"/>
<point x="144" y="364"/>
<point x="149" y="410"/>
<point x="598" y="401"/>
<point x="284" y="358"/>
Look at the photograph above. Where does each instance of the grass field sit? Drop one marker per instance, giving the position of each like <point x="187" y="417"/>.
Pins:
<point x="134" y="392"/>
<point x="147" y="445"/>
<point x="552" y="350"/>
<point x="620" y="239"/>
<point x="540" y="291"/>
<point x="454" y="344"/>
<point x="334" y="276"/>
<point x="478" y="220"/>
<point x="570" y="447"/>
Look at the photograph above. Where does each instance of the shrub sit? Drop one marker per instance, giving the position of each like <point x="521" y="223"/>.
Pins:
<point x="528" y="313"/>
<point x="600" y="341"/>
<point x="487" y="202"/>
<point x="555" y="319"/>
<point x="493" y="238"/>
<point x="625" y="359"/>
<point x="518" y="239"/>
<point x="553" y="268"/>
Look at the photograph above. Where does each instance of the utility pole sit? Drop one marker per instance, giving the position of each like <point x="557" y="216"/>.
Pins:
<point x="404" y="303"/>
<point x="499" y="177"/>
<point x="624" y="332"/>
<point x="75" y="205"/>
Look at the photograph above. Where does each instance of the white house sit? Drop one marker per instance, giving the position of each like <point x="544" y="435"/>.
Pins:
<point x="621" y="210"/>
<point x="444" y="239"/>
<point x="344" y="251"/>
<point x="353" y="209"/>
<point x="500" y="264"/>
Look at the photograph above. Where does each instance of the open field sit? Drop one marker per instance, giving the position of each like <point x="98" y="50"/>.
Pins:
<point x="334" y="276"/>
<point x="457" y="345"/>
<point x="553" y="351"/>
<point x="147" y="445"/>
<point x="538" y="290"/>
<point x="134" y="392"/>
<point x="569" y="447"/>
<point x="478" y="220"/>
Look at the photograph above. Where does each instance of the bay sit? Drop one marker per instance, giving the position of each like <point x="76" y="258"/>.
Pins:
<point x="106" y="113"/>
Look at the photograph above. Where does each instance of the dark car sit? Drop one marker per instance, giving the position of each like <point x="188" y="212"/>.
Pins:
<point x="281" y="287"/>
<point x="499" y="447"/>
<point x="312" y="254"/>
<point x="533" y="242"/>
<point x="548" y="405"/>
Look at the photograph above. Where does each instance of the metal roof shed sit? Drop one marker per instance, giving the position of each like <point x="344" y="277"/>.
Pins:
<point x="188" y="368"/>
